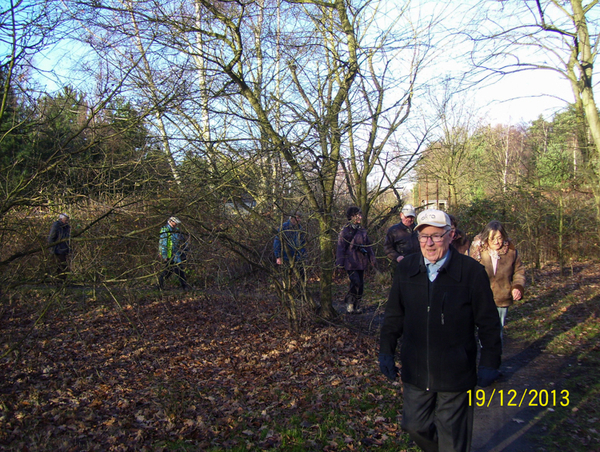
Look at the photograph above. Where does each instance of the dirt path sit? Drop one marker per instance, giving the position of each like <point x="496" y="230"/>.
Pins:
<point x="530" y="377"/>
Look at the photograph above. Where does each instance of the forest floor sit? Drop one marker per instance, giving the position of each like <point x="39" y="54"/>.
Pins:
<point x="135" y="369"/>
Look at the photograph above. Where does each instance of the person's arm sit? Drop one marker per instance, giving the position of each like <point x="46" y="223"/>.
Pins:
<point x="393" y="321"/>
<point x="340" y="253"/>
<point x="518" y="279"/>
<point x="53" y="235"/>
<point x="488" y="330"/>
<point x="487" y="320"/>
<point x="277" y="247"/>
<point x="391" y="331"/>
<point x="388" y="246"/>
<point x="163" y="243"/>
<point x="371" y="252"/>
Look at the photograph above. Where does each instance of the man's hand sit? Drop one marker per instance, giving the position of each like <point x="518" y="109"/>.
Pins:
<point x="399" y="258"/>
<point x="279" y="261"/>
<point x="387" y="366"/>
<point x="486" y="376"/>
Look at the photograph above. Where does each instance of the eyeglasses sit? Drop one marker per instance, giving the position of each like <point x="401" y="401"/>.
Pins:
<point x="437" y="238"/>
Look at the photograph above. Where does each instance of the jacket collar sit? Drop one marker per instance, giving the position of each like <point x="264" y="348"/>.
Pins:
<point x="454" y="270"/>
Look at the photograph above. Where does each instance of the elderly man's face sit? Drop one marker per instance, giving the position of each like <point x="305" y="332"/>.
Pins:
<point x="407" y="221"/>
<point x="434" y="251"/>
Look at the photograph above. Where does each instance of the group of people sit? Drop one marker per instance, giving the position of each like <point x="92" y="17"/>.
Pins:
<point x="172" y="246"/>
<point x="446" y="302"/>
<point x="448" y="299"/>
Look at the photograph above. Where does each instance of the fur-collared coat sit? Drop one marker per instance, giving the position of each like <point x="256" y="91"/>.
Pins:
<point x="510" y="272"/>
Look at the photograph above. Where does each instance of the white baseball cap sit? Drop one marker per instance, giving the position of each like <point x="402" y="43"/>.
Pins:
<point x="408" y="210"/>
<point x="433" y="217"/>
<point x="175" y="220"/>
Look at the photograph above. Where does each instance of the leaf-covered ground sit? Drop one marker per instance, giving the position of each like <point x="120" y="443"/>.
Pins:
<point x="186" y="371"/>
<point x="137" y="370"/>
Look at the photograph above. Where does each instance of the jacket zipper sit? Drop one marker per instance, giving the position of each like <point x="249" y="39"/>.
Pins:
<point x="428" y="310"/>
<point x="443" y="305"/>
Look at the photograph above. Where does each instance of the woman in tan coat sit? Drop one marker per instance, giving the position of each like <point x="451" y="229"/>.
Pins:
<point x="497" y="253"/>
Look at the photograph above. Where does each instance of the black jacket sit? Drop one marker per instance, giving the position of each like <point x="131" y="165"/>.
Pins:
<point x="437" y="321"/>
<point x="60" y="231"/>
<point x="400" y="240"/>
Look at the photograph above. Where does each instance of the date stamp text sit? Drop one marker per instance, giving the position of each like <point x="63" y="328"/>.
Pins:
<point x="520" y="398"/>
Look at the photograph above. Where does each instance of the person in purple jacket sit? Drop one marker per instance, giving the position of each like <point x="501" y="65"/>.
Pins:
<point x="354" y="254"/>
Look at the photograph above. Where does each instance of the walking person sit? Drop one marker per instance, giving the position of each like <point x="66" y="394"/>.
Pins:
<point x="401" y="238"/>
<point x="437" y="300"/>
<point x="171" y="245"/>
<point x="59" y="238"/>
<point x="289" y="248"/>
<point x="289" y="245"/>
<point x="497" y="253"/>
<point x="354" y="253"/>
<point x="459" y="238"/>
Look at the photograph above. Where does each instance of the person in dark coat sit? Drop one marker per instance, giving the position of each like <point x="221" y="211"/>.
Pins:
<point x="438" y="299"/>
<point x="401" y="239"/>
<point x="289" y="245"/>
<point x="354" y="253"/>
<point x="459" y="240"/>
<point x="289" y="248"/>
<point x="59" y="238"/>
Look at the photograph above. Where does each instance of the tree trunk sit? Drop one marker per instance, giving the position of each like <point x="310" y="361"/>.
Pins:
<point x="327" y="251"/>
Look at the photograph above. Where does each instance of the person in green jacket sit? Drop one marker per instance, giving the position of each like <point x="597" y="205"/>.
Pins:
<point x="171" y="247"/>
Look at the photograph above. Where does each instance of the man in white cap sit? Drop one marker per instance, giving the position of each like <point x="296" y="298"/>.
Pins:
<point x="401" y="239"/>
<point x="171" y="245"/>
<point x="437" y="300"/>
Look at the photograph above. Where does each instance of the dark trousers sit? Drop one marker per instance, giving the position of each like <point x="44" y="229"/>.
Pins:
<point x="170" y="268"/>
<point x="62" y="265"/>
<point x="357" y="285"/>
<point x="438" y="421"/>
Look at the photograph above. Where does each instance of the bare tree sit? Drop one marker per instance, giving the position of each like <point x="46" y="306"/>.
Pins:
<point x="551" y="35"/>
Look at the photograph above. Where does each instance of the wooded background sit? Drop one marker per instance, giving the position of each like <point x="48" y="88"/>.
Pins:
<point x="232" y="115"/>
